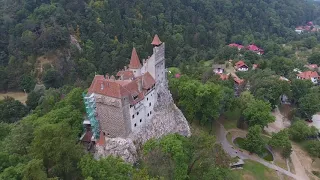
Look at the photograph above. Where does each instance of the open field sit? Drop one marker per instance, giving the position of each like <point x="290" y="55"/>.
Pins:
<point x="20" y="96"/>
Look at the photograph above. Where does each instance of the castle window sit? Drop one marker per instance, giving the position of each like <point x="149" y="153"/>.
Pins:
<point x="132" y="116"/>
<point x="148" y="114"/>
<point x="140" y="120"/>
<point x="134" y="71"/>
<point x="135" y="124"/>
<point x="147" y="99"/>
<point x="149" y="104"/>
<point x="130" y="106"/>
<point x="135" y="97"/>
<point x="137" y="113"/>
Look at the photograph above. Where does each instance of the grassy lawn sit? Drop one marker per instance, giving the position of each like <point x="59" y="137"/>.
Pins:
<point x="255" y="171"/>
<point x="20" y="96"/>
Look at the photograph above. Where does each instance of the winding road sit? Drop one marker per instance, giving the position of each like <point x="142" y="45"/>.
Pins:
<point x="222" y="138"/>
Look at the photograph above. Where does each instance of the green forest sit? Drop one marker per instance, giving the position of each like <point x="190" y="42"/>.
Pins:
<point x="52" y="50"/>
<point x="107" y="30"/>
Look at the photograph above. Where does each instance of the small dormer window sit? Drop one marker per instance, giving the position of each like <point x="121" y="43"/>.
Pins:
<point x="137" y="113"/>
<point x="101" y="86"/>
<point x="135" y="97"/>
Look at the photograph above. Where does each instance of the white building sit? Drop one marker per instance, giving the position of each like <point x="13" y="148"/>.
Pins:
<point x="123" y="105"/>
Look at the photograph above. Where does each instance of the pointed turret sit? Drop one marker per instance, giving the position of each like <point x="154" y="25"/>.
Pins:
<point x="156" y="41"/>
<point x="134" y="62"/>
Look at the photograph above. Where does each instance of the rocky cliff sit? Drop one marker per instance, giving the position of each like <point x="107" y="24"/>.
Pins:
<point x="167" y="119"/>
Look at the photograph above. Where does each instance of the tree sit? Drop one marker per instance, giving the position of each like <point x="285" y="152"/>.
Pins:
<point x="19" y="140"/>
<point x="105" y="168"/>
<point x="33" y="99"/>
<point x="254" y="142"/>
<point x="258" y="113"/>
<point x="34" y="170"/>
<point x="270" y="89"/>
<point x="52" y="78"/>
<point x="310" y="42"/>
<point x="314" y="58"/>
<point x="12" y="110"/>
<point x="5" y="129"/>
<point x="309" y="104"/>
<point x="281" y="141"/>
<point x="299" y="131"/>
<point x="27" y="83"/>
<point x="299" y="88"/>
<point x="56" y="145"/>
<point x="313" y="148"/>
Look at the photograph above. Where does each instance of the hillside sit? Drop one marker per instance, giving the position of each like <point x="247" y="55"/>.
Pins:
<point x="107" y="30"/>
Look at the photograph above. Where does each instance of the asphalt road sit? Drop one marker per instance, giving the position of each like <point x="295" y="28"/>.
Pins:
<point x="222" y="138"/>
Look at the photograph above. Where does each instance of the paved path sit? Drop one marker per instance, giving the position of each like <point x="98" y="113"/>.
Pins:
<point x="222" y="138"/>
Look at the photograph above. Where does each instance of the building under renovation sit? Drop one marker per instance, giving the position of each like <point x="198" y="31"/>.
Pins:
<point x="119" y="105"/>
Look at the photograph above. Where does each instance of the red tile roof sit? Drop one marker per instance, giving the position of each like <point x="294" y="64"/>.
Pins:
<point x="147" y="81"/>
<point x="239" y="64"/>
<point x="238" y="80"/>
<point x="134" y="61"/>
<point x="224" y="76"/>
<point x="107" y="87"/>
<point x="125" y="74"/>
<point x="308" y="75"/>
<point x="122" y="88"/>
<point x="236" y="45"/>
<point x="156" y="40"/>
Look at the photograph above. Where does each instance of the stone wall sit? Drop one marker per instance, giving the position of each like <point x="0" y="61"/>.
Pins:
<point x="167" y="119"/>
<point x="110" y="113"/>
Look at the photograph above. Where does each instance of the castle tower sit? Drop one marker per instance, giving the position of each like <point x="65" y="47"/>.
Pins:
<point x="159" y="52"/>
<point x="135" y="65"/>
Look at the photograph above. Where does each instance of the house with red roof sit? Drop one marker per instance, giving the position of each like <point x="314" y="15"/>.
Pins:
<point x="256" y="49"/>
<point x="239" y="46"/>
<point x="309" y="75"/>
<point x="117" y="106"/>
<point x="241" y="66"/>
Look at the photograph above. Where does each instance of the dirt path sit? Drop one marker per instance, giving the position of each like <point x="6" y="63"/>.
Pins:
<point x="280" y="123"/>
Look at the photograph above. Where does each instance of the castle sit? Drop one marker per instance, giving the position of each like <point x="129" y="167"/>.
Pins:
<point x="122" y="105"/>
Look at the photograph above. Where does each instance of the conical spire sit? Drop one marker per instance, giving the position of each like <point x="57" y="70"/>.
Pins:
<point x="134" y="62"/>
<point x="156" y="41"/>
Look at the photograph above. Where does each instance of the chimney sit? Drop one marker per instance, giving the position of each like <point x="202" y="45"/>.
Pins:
<point x="121" y="77"/>
<point x="144" y="61"/>
<point x="112" y="78"/>
<point x="107" y="76"/>
<point x="125" y="68"/>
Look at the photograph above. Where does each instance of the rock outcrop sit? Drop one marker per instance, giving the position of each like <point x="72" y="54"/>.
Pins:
<point x="167" y="119"/>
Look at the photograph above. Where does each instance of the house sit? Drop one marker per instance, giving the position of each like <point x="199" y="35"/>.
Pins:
<point x="122" y="105"/>
<point x="255" y="49"/>
<point x="309" y="75"/>
<point x="218" y="68"/>
<point x="239" y="46"/>
<point x="241" y="66"/>
<point x="224" y="76"/>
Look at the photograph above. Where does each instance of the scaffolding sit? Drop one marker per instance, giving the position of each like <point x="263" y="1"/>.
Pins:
<point x="90" y="106"/>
